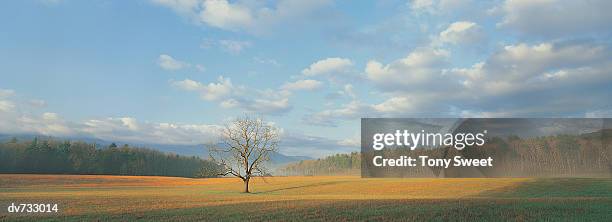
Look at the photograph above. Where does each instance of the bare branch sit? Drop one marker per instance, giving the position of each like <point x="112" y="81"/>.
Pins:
<point x="244" y="148"/>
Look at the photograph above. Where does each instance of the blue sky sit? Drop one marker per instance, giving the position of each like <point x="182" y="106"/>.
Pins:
<point x="173" y="71"/>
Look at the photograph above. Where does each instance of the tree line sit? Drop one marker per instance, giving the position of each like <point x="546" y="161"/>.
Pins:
<point x="558" y="155"/>
<point x="49" y="156"/>
<point x="338" y="164"/>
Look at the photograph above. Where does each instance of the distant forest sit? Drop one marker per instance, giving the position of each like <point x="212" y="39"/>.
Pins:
<point x="48" y="156"/>
<point x="560" y="155"/>
<point x="338" y="164"/>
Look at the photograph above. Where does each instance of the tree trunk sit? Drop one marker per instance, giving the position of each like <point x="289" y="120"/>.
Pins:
<point x="246" y="186"/>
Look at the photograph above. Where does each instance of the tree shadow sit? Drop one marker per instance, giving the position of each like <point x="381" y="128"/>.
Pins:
<point x="301" y="186"/>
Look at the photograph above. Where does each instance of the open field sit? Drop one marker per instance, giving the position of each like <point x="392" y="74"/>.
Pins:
<point x="308" y="198"/>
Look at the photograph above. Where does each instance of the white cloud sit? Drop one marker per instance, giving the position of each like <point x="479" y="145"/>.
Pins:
<point x="546" y="79"/>
<point x="183" y="7"/>
<point x="124" y="129"/>
<point x="50" y="116"/>
<point x="15" y="119"/>
<point x="353" y="110"/>
<point x="211" y="92"/>
<point x="421" y="4"/>
<point x="6" y="93"/>
<point x="130" y="123"/>
<point x="409" y="81"/>
<point x="462" y="32"/>
<point x="222" y="14"/>
<point x="219" y="90"/>
<point x="187" y="84"/>
<point x="231" y="96"/>
<point x="298" y="143"/>
<point x="305" y="84"/>
<point x="421" y="68"/>
<point x="437" y="6"/>
<point x="168" y="63"/>
<point x="556" y="17"/>
<point x="400" y="104"/>
<point x="233" y="46"/>
<point x="328" y="66"/>
<point x="50" y="124"/>
<point x="354" y="142"/>
<point x="349" y="91"/>
<point x="249" y="16"/>
<point x="392" y="107"/>
<point x="6" y="105"/>
<point x="523" y="67"/>
<point x="129" y="129"/>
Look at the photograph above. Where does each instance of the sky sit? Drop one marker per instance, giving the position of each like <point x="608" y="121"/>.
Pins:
<point x="175" y="71"/>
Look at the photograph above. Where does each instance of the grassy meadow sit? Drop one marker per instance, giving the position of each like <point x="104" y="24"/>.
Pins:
<point x="128" y="198"/>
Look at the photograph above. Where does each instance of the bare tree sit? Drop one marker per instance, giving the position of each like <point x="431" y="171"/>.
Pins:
<point x="245" y="146"/>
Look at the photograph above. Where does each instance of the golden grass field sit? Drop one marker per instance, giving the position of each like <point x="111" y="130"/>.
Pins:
<point x="84" y="197"/>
